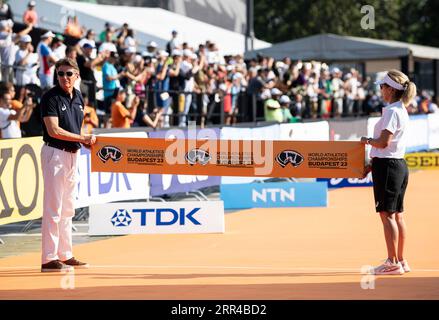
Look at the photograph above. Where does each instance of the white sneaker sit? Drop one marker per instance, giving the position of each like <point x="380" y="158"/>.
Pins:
<point x="405" y="265"/>
<point x="390" y="268"/>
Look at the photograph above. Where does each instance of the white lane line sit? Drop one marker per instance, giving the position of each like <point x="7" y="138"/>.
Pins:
<point x="216" y="267"/>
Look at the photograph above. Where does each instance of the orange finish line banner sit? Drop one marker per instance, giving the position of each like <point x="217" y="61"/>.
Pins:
<point x="283" y="159"/>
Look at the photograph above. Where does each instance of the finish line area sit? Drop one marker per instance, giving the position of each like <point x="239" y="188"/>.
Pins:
<point x="276" y="253"/>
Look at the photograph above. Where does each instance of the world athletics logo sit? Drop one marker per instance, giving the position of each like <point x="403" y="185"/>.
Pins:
<point x="110" y="152"/>
<point x="198" y="156"/>
<point x="289" y="156"/>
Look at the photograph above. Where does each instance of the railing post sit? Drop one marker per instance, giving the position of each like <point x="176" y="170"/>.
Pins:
<point x="222" y="115"/>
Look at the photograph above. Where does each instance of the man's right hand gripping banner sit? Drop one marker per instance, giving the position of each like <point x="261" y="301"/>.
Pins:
<point x="283" y="159"/>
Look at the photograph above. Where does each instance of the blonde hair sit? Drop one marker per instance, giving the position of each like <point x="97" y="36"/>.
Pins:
<point x="409" y="92"/>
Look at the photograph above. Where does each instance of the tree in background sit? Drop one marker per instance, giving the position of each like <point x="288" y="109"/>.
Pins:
<point x="414" y="21"/>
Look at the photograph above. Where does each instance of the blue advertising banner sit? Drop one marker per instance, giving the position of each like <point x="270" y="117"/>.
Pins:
<point x="348" y="182"/>
<point x="274" y="194"/>
<point x="171" y="183"/>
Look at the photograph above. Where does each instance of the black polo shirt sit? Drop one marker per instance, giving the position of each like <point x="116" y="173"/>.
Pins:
<point x="70" y="112"/>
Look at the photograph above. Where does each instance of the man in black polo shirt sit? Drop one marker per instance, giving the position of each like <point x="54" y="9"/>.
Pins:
<point x="62" y="111"/>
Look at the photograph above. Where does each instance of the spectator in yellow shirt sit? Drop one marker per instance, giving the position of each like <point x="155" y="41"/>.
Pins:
<point x="121" y="117"/>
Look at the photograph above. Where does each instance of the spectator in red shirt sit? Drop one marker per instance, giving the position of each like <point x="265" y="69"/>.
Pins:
<point x="30" y="16"/>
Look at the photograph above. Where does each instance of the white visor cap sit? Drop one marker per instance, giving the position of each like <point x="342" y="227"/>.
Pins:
<point x="387" y="80"/>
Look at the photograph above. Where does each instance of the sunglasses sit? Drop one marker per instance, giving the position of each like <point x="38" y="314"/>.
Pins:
<point x="69" y="74"/>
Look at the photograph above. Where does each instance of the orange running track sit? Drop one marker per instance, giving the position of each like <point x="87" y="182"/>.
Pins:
<point x="288" y="253"/>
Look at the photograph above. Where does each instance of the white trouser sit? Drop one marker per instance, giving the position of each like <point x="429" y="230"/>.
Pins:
<point x="59" y="172"/>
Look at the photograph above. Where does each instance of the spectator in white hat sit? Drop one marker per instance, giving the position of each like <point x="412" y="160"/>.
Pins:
<point x="272" y="108"/>
<point x="8" y="48"/>
<point x="26" y="62"/>
<point x="47" y="60"/>
<point x="285" y="102"/>
<point x="90" y="39"/>
<point x="151" y="49"/>
<point x="30" y="16"/>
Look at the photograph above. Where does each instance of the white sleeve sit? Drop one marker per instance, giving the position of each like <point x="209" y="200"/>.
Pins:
<point x="390" y="121"/>
<point x="4" y="115"/>
<point x="18" y="56"/>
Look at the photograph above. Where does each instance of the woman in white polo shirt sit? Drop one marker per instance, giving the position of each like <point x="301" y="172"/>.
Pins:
<point x="389" y="170"/>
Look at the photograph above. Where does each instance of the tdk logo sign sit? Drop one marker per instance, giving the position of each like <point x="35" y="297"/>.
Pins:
<point x="273" y="195"/>
<point x="161" y="217"/>
<point x="173" y="217"/>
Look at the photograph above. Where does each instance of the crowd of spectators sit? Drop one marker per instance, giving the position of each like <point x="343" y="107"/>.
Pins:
<point x="126" y="86"/>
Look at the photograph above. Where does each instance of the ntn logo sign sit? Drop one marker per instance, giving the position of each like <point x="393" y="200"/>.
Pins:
<point x="273" y="194"/>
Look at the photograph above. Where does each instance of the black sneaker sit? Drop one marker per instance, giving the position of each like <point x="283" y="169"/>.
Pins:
<point x="76" y="263"/>
<point x="55" y="266"/>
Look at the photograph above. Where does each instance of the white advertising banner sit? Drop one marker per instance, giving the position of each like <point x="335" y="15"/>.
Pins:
<point x="309" y="131"/>
<point x="233" y="133"/>
<point x="433" y="131"/>
<point x="266" y="133"/>
<point x="156" y="217"/>
<point x="417" y="133"/>
<point x="104" y="187"/>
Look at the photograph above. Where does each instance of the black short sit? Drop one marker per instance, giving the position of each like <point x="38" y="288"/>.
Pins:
<point x="390" y="179"/>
